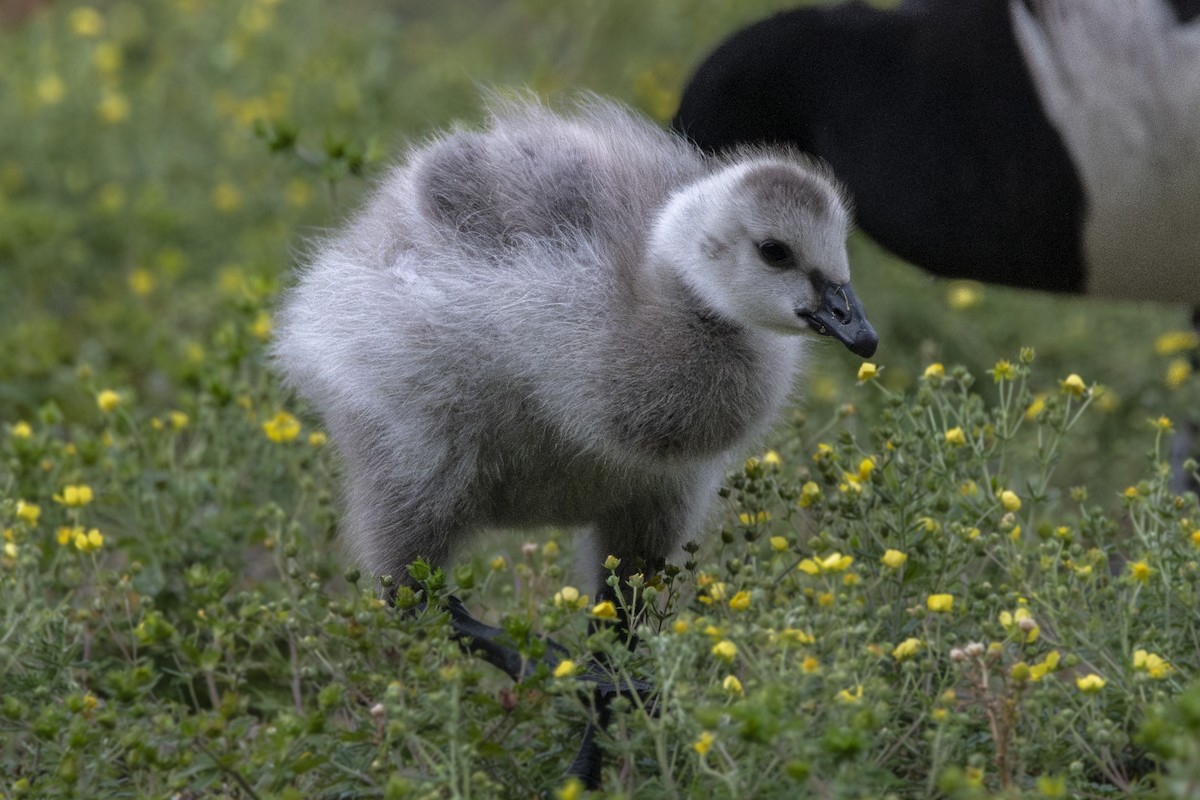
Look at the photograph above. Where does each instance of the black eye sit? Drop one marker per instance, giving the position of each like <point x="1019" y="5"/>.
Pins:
<point x="774" y="252"/>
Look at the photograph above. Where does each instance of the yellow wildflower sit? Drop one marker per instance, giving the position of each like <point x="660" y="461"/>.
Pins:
<point x="21" y="430"/>
<point x="90" y="542"/>
<point x="1045" y="666"/>
<point x="318" y="439"/>
<point x="725" y="650"/>
<point x="113" y="107"/>
<point x="964" y="295"/>
<point x="1178" y="372"/>
<point x="907" y="649"/>
<point x="28" y="511"/>
<point x="1010" y="500"/>
<point x="940" y="603"/>
<point x="846" y="696"/>
<point x="732" y="685"/>
<point x="969" y="489"/>
<point x="565" y="669"/>
<point x="570" y="597"/>
<point x="759" y="518"/>
<point x="179" y="420"/>
<point x="796" y="635"/>
<point x="810" y="665"/>
<point x="825" y="599"/>
<point x="865" y="468"/>
<point x="955" y="436"/>
<point x="50" y="90"/>
<point x="834" y="562"/>
<point x="282" y="427"/>
<point x="1153" y="665"/>
<point x="1073" y="385"/>
<point x="108" y="400"/>
<point x="1003" y="371"/>
<point x="605" y="610"/>
<point x="772" y="459"/>
<point x="779" y="543"/>
<point x="66" y="535"/>
<point x="1035" y="408"/>
<point x="571" y="790"/>
<point x="75" y="496"/>
<point x="703" y="744"/>
<point x="867" y="371"/>
<point x="894" y="559"/>
<point x="681" y="626"/>
<point x="1140" y="571"/>
<point x="740" y="601"/>
<point x="1090" y="683"/>
<point x="1176" y="342"/>
<point x="935" y="370"/>
<point x="498" y="563"/>
<point x="611" y="562"/>
<point x="1012" y="620"/>
<point x="86" y="22"/>
<point x="262" y="325"/>
<point x="1195" y="538"/>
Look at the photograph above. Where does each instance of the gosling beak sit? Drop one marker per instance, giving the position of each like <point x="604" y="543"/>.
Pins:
<point x="842" y="317"/>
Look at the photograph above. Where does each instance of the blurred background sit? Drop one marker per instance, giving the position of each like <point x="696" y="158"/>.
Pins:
<point x="163" y="162"/>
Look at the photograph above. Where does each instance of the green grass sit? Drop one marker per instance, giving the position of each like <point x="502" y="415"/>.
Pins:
<point x="161" y="166"/>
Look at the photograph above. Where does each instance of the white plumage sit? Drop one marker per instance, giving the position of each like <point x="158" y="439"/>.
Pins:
<point x="568" y="319"/>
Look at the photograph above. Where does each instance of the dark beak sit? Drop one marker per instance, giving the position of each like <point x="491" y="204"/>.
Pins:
<point x="842" y="317"/>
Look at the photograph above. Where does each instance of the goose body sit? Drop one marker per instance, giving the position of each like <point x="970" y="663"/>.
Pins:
<point x="563" y="318"/>
<point x="1049" y="144"/>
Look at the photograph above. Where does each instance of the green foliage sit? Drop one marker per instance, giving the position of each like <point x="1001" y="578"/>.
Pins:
<point x="908" y="596"/>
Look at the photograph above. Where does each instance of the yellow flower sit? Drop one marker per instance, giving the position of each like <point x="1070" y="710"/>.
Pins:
<point x="865" y="468"/>
<point x="113" y="107"/>
<point x="75" y="496"/>
<point x="894" y="559"/>
<point x="740" y="601"/>
<point x="703" y="744"/>
<point x="28" y="511"/>
<point x="1045" y="666"/>
<point x="89" y="542"/>
<point x="747" y="518"/>
<point x="50" y="90"/>
<point x="681" y="626"/>
<point x="498" y="563"/>
<point x="1035" y="408"/>
<point x="107" y="58"/>
<point x="867" y="371"/>
<point x="796" y="635"/>
<point x="1153" y="665"/>
<point x="809" y="493"/>
<point x="1090" y="683"/>
<point x="1003" y="371"/>
<point x="779" y="543"/>
<point x="935" y="370"/>
<point x="282" y="427"/>
<point x="567" y="596"/>
<point x="964" y="295"/>
<point x="1178" y="372"/>
<point x="969" y="489"/>
<point x="261" y="327"/>
<point x="1073" y="385"/>
<point x="732" y="685"/>
<point x="1140" y="571"/>
<point x="725" y="650"/>
<point x="825" y="599"/>
<point x="1010" y="500"/>
<point x="940" y="603"/>
<point x="1176" y="342"/>
<point x="810" y="665"/>
<point x="108" y="400"/>
<point x="21" y="430"/>
<point x="772" y="459"/>
<point x="834" y="562"/>
<point x="1012" y="620"/>
<point x="1195" y="538"/>
<point x="179" y="420"/>
<point x="565" y="669"/>
<point x="571" y="790"/>
<point x="318" y="439"/>
<point x="907" y="649"/>
<point x="824" y="451"/>
<point x="86" y="22"/>
<point x="605" y="610"/>
<point x="1162" y="424"/>
<point x="846" y="696"/>
<point x="611" y="563"/>
<point x="955" y="436"/>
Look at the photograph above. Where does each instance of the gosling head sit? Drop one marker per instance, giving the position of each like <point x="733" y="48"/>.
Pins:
<point x="763" y="243"/>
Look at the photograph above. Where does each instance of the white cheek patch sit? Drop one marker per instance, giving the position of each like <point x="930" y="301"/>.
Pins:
<point x="1120" y="81"/>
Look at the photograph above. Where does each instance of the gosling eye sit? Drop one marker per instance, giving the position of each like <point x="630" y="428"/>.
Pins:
<point x="774" y="253"/>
